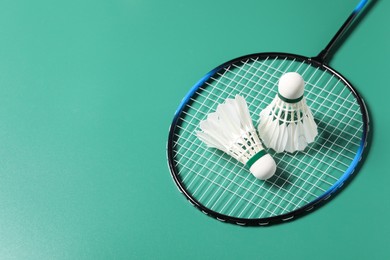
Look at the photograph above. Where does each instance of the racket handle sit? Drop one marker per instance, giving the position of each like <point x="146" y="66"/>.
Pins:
<point x="325" y="52"/>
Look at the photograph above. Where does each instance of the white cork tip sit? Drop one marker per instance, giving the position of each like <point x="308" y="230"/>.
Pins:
<point x="291" y="85"/>
<point x="264" y="168"/>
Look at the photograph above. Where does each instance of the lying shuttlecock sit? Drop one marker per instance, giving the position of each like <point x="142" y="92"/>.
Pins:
<point x="287" y="124"/>
<point x="230" y="129"/>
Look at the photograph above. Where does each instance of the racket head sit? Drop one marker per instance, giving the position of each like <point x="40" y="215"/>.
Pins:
<point x="222" y="188"/>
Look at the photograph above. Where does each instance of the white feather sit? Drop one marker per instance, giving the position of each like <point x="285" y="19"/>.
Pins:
<point x="286" y="126"/>
<point x="231" y="130"/>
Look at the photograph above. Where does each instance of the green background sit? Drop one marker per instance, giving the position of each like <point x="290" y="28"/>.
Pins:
<point x="88" y="89"/>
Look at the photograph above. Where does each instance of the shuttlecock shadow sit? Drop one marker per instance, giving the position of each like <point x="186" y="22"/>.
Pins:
<point x="281" y="179"/>
<point x="370" y="139"/>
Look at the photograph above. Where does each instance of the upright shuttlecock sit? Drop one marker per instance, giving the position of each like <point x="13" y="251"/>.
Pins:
<point x="287" y="124"/>
<point x="230" y="129"/>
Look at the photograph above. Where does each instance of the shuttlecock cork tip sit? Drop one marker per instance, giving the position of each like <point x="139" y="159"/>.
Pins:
<point x="264" y="168"/>
<point x="291" y="87"/>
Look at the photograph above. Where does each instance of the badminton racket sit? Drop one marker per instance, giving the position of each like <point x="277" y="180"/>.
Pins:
<point x="223" y="188"/>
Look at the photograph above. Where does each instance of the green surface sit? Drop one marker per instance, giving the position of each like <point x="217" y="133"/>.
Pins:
<point x="88" y="90"/>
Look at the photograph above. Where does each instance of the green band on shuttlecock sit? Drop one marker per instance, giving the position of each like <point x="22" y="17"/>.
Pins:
<point x="290" y="100"/>
<point x="255" y="157"/>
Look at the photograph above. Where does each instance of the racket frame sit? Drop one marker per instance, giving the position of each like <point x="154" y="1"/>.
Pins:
<point x="297" y="212"/>
<point x="317" y="61"/>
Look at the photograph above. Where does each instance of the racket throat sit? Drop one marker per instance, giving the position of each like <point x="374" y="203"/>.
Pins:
<point x="320" y="58"/>
<point x="324" y="54"/>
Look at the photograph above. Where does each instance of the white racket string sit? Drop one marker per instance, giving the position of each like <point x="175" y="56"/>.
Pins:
<point x="223" y="185"/>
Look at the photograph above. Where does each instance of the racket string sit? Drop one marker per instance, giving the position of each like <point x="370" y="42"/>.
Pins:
<point x="247" y="196"/>
<point x="320" y="123"/>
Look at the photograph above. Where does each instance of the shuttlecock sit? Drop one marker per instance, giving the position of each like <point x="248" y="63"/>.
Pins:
<point x="287" y="124"/>
<point x="230" y="129"/>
